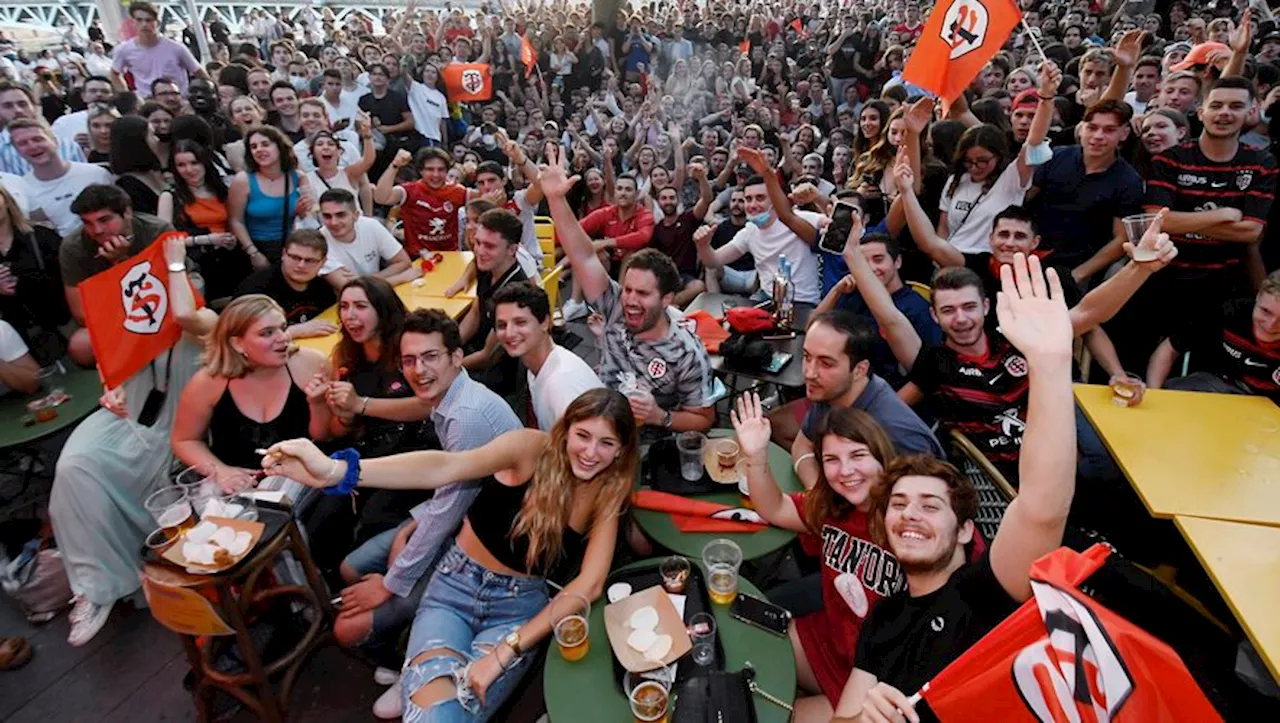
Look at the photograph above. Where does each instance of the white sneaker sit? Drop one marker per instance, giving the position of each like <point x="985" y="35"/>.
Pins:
<point x="87" y="619"/>
<point x="385" y="676"/>
<point x="388" y="706"/>
<point x="574" y="309"/>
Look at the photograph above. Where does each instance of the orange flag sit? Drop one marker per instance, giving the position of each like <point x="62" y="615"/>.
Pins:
<point x="957" y="41"/>
<point x="798" y="26"/>
<point x="126" y="309"/>
<point x="745" y="46"/>
<point x="468" y="81"/>
<point x="527" y="56"/>
<point x="1063" y="657"/>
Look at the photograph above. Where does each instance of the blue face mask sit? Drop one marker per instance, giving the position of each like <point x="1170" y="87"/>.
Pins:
<point x="761" y="219"/>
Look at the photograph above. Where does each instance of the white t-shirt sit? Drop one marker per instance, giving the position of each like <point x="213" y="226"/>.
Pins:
<point x="1139" y="107"/>
<point x="68" y="126"/>
<point x="347" y="107"/>
<point x="563" y="377"/>
<point x="364" y="254"/>
<point x="429" y="107"/>
<point x="352" y="150"/>
<point x="767" y="245"/>
<point x="13" y="348"/>
<point x="969" y="226"/>
<point x="55" y="197"/>
<point x="17" y="187"/>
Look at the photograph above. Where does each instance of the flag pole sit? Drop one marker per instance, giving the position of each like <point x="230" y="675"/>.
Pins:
<point x="1034" y="40"/>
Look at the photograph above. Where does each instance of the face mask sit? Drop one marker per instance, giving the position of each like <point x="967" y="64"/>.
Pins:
<point x="760" y="219"/>
<point x="299" y="83"/>
<point x="164" y="137"/>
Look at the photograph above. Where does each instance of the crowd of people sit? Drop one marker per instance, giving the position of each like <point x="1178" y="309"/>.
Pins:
<point x="955" y="261"/>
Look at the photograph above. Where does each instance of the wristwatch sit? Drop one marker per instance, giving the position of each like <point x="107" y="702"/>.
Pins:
<point x="666" y="419"/>
<point x="177" y="267"/>
<point x="513" y="641"/>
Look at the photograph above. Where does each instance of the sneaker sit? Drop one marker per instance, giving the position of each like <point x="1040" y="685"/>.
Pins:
<point x="389" y="706"/>
<point x="87" y="619"/>
<point x="574" y="309"/>
<point x="385" y="676"/>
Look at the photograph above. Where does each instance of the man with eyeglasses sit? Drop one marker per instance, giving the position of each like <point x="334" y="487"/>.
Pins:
<point x="165" y="92"/>
<point x="388" y="574"/>
<point x="296" y="285"/>
<point x="74" y="127"/>
<point x="151" y="55"/>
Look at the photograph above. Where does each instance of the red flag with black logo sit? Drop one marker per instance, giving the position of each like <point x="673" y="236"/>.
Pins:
<point x="528" y="56"/>
<point x="958" y="40"/>
<point x="1062" y="657"/>
<point x="468" y="81"/>
<point x="128" y="315"/>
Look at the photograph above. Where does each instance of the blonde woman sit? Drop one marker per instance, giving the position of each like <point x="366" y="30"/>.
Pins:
<point x="246" y="114"/>
<point x="251" y="393"/>
<point x="546" y="502"/>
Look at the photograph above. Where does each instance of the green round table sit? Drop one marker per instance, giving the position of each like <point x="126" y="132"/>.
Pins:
<point x="82" y="385"/>
<point x="586" y="692"/>
<point x="660" y="527"/>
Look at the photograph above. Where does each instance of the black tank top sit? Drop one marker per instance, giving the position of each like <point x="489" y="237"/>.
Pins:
<point x="493" y="516"/>
<point x="374" y="437"/>
<point x="234" y="437"/>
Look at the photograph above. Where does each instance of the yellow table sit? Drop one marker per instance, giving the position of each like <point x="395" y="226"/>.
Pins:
<point x="1194" y="453"/>
<point x="427" y="295"/>
<point x="1244" y="562"/>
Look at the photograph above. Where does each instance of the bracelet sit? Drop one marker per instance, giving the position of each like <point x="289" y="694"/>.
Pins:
<point x="364" y="406"/>
<point x="351" y="478"/>
<point x="796" y="466"/>
<point x="1044" y="98"/>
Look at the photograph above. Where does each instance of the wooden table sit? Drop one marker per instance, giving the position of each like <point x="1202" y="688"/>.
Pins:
<point x="1244" y="562"/>
<point x="586" y="690"/>
<point x="663" y="530"/>
<point x="1194" y="453"/>
<point x="427" y="295"/>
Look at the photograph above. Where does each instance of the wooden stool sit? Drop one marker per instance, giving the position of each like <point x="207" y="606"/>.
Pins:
<point x="220" y="607"/>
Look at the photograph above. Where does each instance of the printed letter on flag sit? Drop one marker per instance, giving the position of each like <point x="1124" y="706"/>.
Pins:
<point x="958" y="40"/>
<point x="468" y="81"/>
<point x="126" y="309"/>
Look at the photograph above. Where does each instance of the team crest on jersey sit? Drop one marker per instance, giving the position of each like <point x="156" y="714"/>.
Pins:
<point x="448" y="207"/>
<point x="1275" y="377"/>
<point x="1016" y="366"/>
<point x="657" y="369"/>
<point x="1243" y="179"/>
<point x="964" y="27"/>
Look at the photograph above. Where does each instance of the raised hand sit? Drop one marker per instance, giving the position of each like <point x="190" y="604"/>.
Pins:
<point x="402" y="158"/>
<point x="1242" y="36"/>
<point x="903" y="177"/>
<point x="175" y="249"/>
<point x="754" y="158"/>
<point x="703" y="235"/>
<point x="1032" y="311"/>
<point x="804" y="194"/>
<point x="1129" y="48"/>
<point x="918" y="116"/>
<point x="1154" y="249"/>
<point x="554" y="180"/>
<point x="1050" y="78"/>
<point x="751" y="425"/>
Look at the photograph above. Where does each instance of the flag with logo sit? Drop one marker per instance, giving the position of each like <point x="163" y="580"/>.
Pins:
<point x="958" y="40"/>
<point x="528" y="56"/>
<point x="798" y="26"/>
<point x="126" y="309"/>
<point x="1063" y="657"/>
<point x="468" y="81"/>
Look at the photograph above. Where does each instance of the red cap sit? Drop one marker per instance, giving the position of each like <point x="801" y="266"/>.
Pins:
<point x="1029" y="98"/>
<point x="1199" y="55"/>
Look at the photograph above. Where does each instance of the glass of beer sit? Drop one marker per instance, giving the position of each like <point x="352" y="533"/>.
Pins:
<point x="722" y="559"/>
<point x="569" y="623"/>
<point x="675" y="574"/>
<point x="650" y="697"/>
<point x="171" y="509"/>
<point x="1127" y="390"/>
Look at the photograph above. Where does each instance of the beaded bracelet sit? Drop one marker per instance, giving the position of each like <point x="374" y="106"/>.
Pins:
<point x="351" y="478"/>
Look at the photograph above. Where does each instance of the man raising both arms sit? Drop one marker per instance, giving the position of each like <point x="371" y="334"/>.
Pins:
<point x="928" y="516"/>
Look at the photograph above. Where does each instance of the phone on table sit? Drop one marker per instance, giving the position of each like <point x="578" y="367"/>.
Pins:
<point x="777" y="361"/>
<point x="761" y="614"/>
<point x="837" y="233"/>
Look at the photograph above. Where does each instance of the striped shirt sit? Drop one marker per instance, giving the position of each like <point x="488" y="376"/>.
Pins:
<point x="1185" y="180"/>
<point x="12" y="162"/>
<point x="676" y="367"/>
<point x="469" y="416"/>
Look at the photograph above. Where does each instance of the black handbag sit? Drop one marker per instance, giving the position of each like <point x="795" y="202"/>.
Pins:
<point x="715" y="697"/>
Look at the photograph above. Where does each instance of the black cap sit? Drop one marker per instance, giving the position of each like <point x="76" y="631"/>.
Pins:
<point x="1273" y="36"/>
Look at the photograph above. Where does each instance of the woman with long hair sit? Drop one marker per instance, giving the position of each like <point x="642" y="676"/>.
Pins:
<point x="245" y="114"/>
<point x="872" y="120"/>
<point x="546" y="503"/>
<point x="252" y="392"/>
<point x="869" y="172"/>
<point x="100" y="118"/>
<point x="326" y="152"/>
<point x="852" y="452"/>
<point x="32" y="299"/>
<point x="196" y="203"/>
<point x="265" y="199"/>
<point x="135" y="164"/>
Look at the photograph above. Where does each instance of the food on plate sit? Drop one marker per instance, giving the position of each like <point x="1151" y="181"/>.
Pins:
<point x="645" y="618"/>
<point x="659" y="649"/>
<point x="642" y="639"/>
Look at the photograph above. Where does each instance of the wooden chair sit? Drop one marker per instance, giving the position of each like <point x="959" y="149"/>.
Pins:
<point x="922" y="289"/>
<point x="994" y="491"/>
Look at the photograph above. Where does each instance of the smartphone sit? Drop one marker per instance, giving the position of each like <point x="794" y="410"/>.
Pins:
<point x="777" y="361"/>
<point x="488" y="128"/>
<point x="837" y="233"/>
<point x="761" y="614"/>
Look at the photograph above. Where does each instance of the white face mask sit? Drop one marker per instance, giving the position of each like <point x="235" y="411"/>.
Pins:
<point x="298" y="82"/>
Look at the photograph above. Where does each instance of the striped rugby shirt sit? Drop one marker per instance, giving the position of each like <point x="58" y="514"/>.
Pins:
<point x="676" y="367"/>
<point x="1184" y="180"/>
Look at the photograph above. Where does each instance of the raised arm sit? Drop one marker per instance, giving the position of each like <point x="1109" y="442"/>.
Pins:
<point x="926" y="237"/>
<point x="588" y="270"/>
<point x="368" y="154"/>
<point x="1033" y="317"/>
<point x="1105" y="301"/>
<point x="1050" y="77"/>
<point x="1241" y="39"/>
<point x="387" y="192"/>
<point x="895" y="327"/>
<point x="182" y="301"/>
<point x="1125" y="55"/>
<point x="753" y="430"/>
<point x="781" y="204"/>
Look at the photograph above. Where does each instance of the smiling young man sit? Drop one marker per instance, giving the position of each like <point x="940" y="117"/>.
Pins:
<point x="928" y="515"/>
<point x="641" y="338"/>
<point x="52" y="182"/>
<point x="556" y="376"/>
<point x="359" y="245"/>
<point x="388" y="574"/>
<point x="497" y="241"/>
<point x="429" y="205"/>
<point x="285" y="110"/>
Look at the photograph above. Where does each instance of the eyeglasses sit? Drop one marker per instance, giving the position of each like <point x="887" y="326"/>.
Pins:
<point x="302" y="260"/>
<point x="427" y="358"/>
<point x="975" y="162"/>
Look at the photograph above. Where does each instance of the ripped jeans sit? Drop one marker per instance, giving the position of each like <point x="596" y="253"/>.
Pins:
<point x="467" y="610"/>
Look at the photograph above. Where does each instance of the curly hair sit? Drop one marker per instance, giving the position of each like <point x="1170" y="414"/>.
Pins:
<point x="961" y="494"/>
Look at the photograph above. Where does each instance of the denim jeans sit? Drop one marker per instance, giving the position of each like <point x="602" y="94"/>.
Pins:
<point x="392" y="615"/>
<point x="468" y="610"/>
